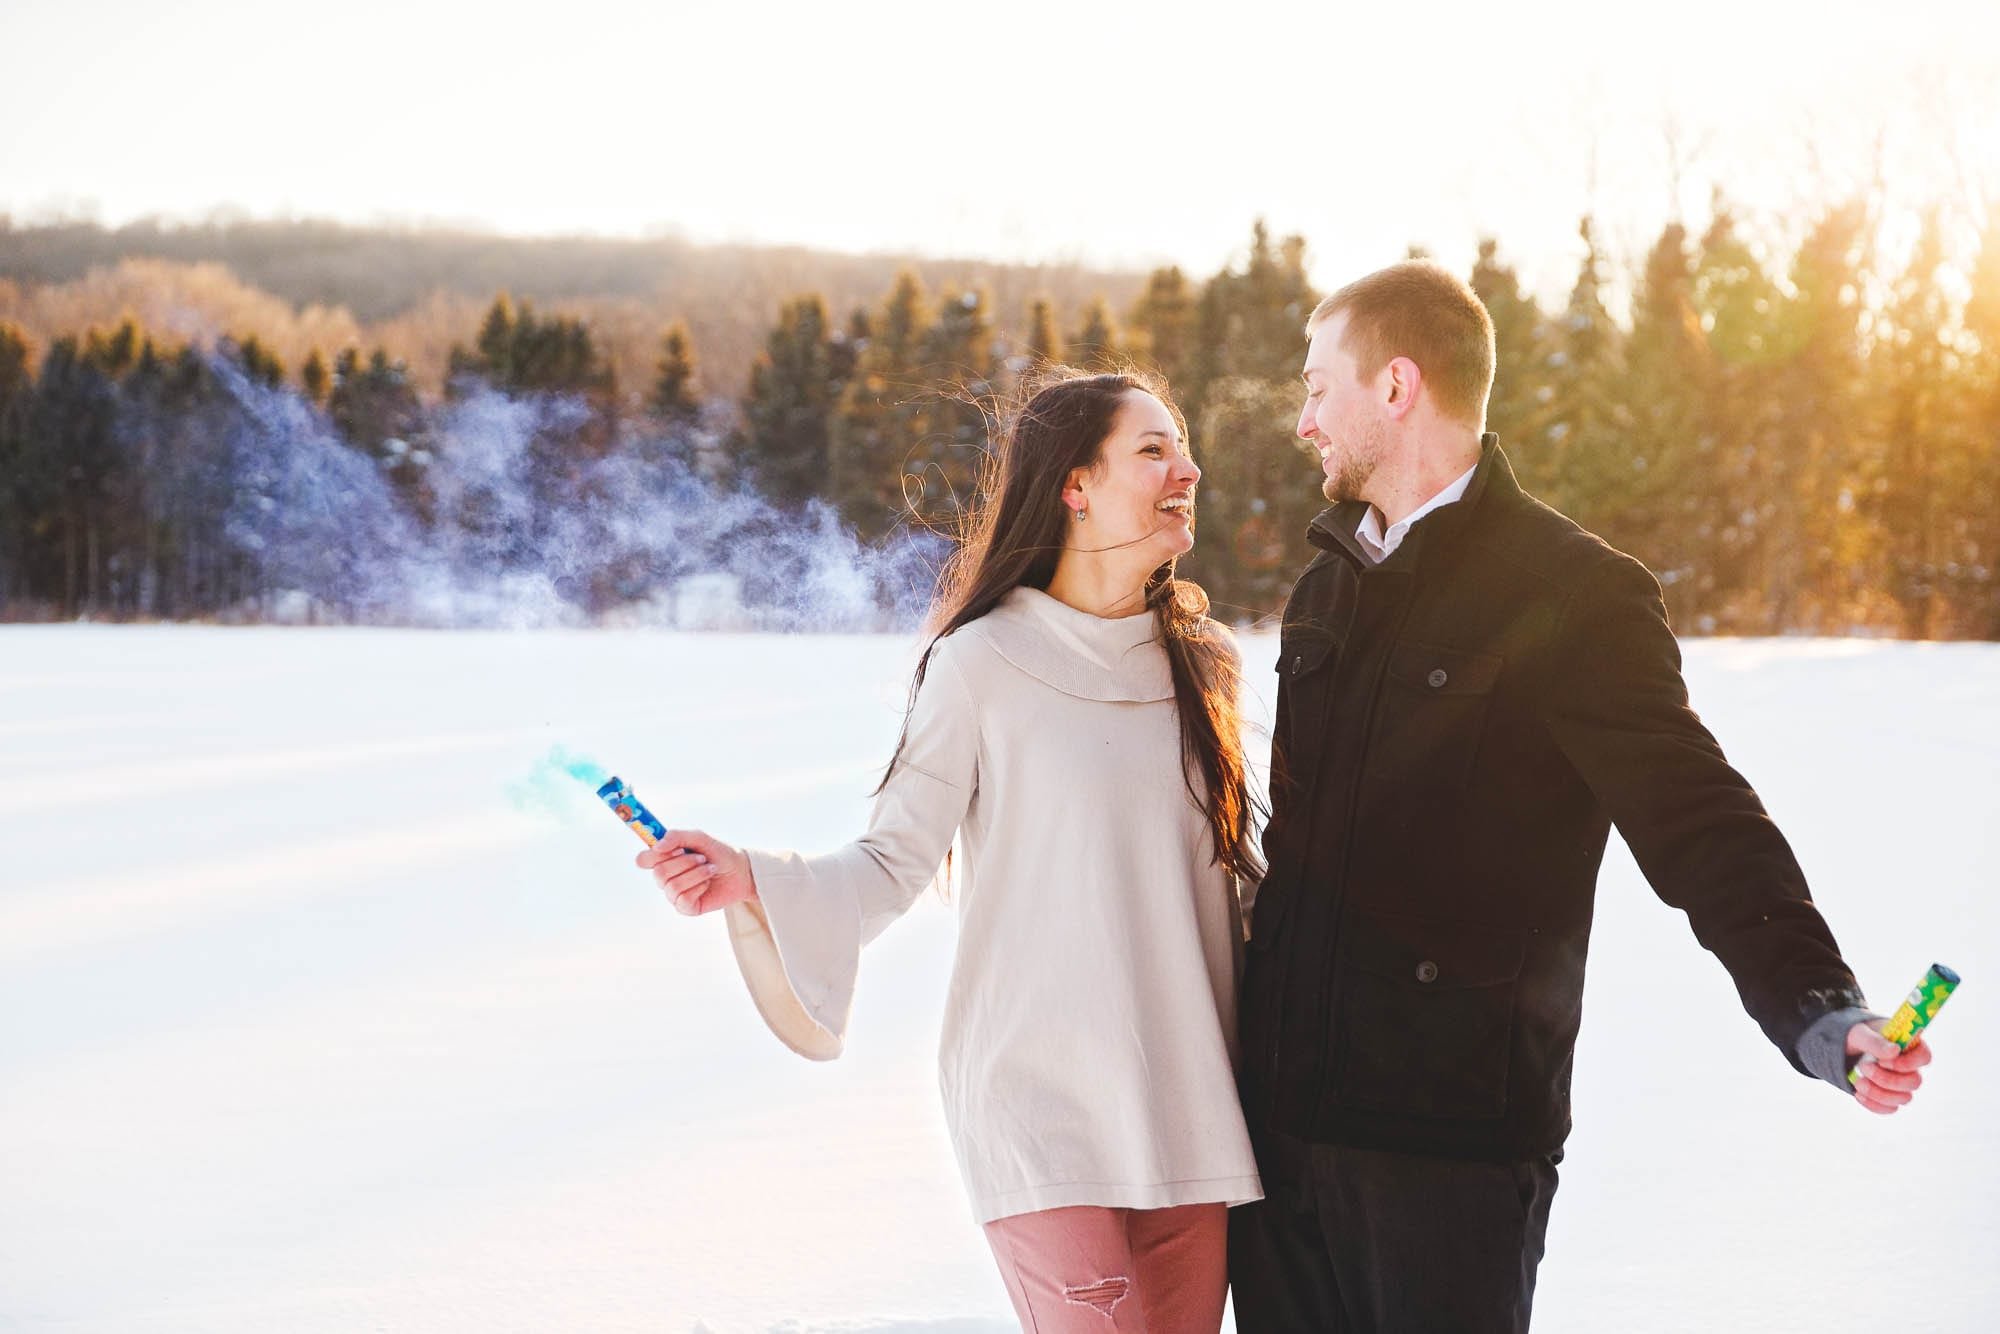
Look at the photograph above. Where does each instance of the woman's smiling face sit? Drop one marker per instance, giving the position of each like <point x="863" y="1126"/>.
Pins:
<point x="1140" y="493"/>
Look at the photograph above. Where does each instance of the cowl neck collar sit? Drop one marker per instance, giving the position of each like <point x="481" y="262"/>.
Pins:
<point x="1119" y="660"/>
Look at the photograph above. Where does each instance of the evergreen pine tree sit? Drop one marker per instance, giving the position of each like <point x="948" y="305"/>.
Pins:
<point x="1585" y="472"/>
<point x="961" y="368"/>
<point x="1670" y="508"/>
<point x="674" y="398"/>
<point x="788" y="412"/>
<point x="877" y="432"/>
<point x="1094" y="347"/>
<point x="1912" y="356"/>
<point x="1827" y="573"/>
<point x="1162" y="325"/>
<point x="113" y="354"/>
<point x="1759" y="575"/>
<point x="1272" y="300"/>
<point x="1518" y="409"/>
<point x="844" y="353"/>
<point x="1239" y="384"/>
<point x="375" y="409"/>
<point x="518" y="350"/>
<point x="73" y="459"/>
<point x="20" y="503"/>
<point x="1981" y="378"/>
<point x="1044" y="343"/>
<point x="1259" y="492"/>
<point x="1961" y="521"/>
<point x="15" y="376"/>
<point x="315" y="378"/>
<point x="260" y="365"/>
<point x="492" y="353"/>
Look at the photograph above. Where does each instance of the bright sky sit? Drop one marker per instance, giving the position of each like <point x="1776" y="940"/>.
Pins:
<point x="1041" y="129"/>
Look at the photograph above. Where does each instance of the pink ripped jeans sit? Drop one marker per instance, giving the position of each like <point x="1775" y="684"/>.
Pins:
<point x="1091" y="1270"/>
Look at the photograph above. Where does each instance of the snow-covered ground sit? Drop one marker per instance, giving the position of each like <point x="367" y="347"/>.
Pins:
<point x="305" y="1027"/>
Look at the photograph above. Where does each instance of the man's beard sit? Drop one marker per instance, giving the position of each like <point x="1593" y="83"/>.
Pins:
<point x="1357" y="464"/>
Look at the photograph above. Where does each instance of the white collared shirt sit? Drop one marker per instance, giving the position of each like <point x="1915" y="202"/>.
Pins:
<point x="1380" y="545"/>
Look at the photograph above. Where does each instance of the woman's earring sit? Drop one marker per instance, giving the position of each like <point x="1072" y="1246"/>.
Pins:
<point x="1082" y="513"/>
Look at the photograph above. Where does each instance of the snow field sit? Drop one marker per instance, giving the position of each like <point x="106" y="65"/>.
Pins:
<point x="303" y="1025"/>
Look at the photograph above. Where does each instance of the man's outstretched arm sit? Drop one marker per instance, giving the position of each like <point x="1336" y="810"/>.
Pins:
<point x="1618" y="708"/>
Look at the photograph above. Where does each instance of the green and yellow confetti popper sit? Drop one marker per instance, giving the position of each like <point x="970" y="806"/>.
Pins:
<point x="1915" y="1013"/>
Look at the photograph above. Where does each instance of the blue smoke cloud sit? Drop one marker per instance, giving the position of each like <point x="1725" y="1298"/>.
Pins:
<point x="640" y="536"/>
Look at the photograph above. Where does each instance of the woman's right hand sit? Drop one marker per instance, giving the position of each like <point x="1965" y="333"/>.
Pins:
<point x="699" y="873"/>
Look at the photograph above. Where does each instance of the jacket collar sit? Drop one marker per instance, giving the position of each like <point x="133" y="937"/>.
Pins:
<point x="1118" y="660"/>
<point x="1333" y="529"/>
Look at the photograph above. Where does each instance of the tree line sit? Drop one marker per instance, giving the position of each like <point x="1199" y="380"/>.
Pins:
<point x="417" y="291"/>
<point x="1802" y="444"/>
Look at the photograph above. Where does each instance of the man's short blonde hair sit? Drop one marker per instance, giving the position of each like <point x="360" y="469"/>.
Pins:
<point x="1422" y="311"/>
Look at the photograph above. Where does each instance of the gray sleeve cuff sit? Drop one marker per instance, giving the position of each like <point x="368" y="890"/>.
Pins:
<point x="1823" y="1046"/>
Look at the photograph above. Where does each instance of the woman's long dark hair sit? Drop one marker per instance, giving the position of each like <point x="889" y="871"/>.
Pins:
<point x="1014" y="535"/>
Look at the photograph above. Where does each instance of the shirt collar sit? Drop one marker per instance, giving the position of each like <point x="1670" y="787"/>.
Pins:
<point x="1379" y="545"/>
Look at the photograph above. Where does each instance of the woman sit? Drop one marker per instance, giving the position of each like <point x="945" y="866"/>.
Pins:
<point x="1074" y="721"/>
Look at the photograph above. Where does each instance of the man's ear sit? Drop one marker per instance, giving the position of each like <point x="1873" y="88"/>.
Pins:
<point x="1404" y="379"/>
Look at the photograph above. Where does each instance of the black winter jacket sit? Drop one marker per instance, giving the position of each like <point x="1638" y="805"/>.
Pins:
<point x="1457" y="729"/>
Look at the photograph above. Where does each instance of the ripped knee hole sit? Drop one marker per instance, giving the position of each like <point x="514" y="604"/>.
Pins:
<point x="1100" y="1296"/>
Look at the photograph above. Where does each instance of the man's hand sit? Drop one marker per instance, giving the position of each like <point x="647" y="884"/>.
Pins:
<point x="699" y="873"/>
<point x="1886" y="1077"/>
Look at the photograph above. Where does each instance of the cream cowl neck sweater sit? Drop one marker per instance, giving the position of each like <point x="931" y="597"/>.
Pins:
<point x="1089" y="1031"/>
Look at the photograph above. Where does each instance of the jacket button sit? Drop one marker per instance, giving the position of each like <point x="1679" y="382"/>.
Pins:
<point x="1427" y="971"/>
<point x="1437" y="678"/>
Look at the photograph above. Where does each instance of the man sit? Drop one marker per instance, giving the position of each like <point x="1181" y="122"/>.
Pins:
<point x="1472" y="689"/>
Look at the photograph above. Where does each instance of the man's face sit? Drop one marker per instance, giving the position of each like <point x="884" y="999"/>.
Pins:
<point x="1341" y="417"/>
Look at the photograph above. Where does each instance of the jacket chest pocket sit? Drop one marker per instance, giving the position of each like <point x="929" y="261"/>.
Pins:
<point x="1433" y="711"/>
<point x="1303" y="665"/>
<point x="1304" y="651"/>
<point x="1427" y="1016"/>
<point x="1307" y="657"/>
<point x="1306" y="654"/>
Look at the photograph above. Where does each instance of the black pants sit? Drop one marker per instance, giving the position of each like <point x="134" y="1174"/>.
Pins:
<point x="1358" y="1241"/>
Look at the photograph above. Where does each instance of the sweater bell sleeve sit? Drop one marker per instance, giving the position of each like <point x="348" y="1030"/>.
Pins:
<point x="798" y="942"/>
